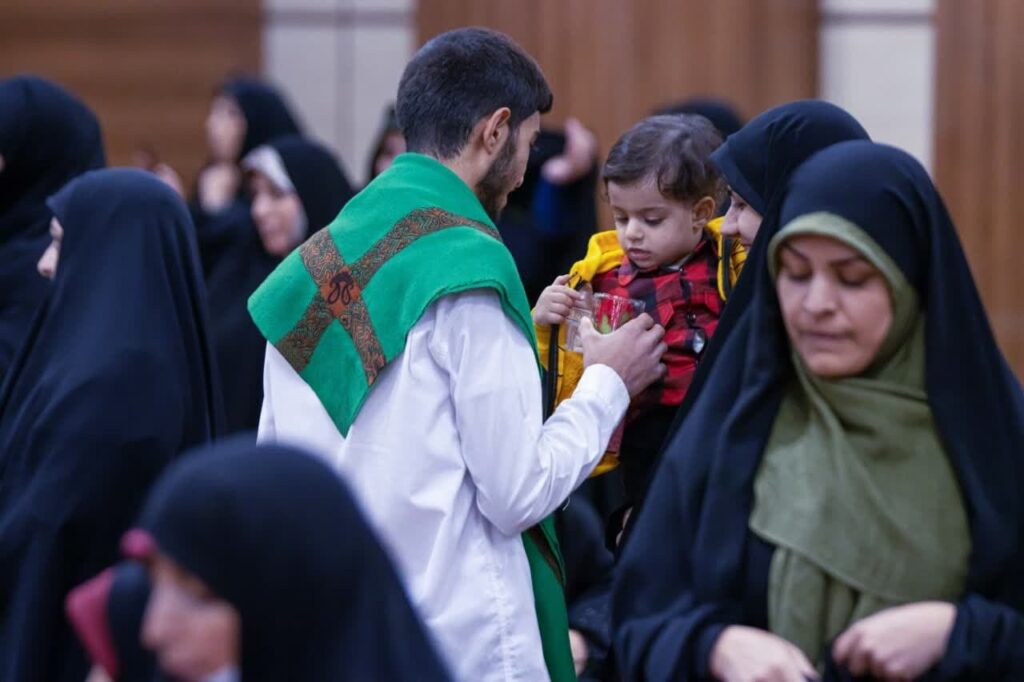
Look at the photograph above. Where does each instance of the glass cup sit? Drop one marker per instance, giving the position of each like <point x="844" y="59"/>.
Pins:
<point x="611" y="312"/>
<point x="606" y="311"/>
<point x="585" y="308"/>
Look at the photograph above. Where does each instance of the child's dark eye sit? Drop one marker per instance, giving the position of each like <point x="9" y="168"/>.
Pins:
<point x="654" y="221"/>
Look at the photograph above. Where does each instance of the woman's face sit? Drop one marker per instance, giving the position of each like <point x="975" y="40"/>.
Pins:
<point x="47" y="265"/>
<point x="393" y="145"/>
<point x="741" y="221"/>
<point x="192" y="631"/>
<point x="277" y="215"/>
<point x="836" y="305"/>
<point x="225" y="129"/>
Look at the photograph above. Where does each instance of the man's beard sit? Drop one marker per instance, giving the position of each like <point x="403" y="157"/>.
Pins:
<point x="499" y="181"/>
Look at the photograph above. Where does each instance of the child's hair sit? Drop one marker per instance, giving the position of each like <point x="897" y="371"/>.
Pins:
<point x="675" y="150"/>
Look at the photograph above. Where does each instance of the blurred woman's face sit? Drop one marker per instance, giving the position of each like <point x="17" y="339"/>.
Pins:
<point x="193" y="632"/>
<point x="277" y="214"/>
<point x="393" y="145"/>
<point x="836" y="305"/>
<point x="741" y="221"/>
<point x="225" y="129"/>
<point x="47" y="265"/>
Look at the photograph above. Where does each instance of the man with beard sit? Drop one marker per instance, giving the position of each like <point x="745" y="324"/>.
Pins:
<point x="401" y="349"/>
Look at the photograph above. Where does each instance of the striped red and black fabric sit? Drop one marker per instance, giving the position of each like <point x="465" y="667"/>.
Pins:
<point x="685" y="301"/>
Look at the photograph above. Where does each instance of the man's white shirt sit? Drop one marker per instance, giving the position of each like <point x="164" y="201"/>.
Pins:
<point x="451" y="462"/>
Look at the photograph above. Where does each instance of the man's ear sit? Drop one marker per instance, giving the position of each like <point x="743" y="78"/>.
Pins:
<point x="704" y="211"/>
<point x="496" y="130"/>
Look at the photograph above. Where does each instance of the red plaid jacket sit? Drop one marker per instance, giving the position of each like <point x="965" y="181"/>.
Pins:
<point x="685" y="302"/>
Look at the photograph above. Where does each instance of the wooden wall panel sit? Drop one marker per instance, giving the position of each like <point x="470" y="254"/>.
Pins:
<point x="610" y="62"/>
<point x="979" y="164"/>
<point x="146" y="67"/>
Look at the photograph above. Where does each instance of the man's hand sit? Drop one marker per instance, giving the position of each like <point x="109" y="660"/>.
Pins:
<point x="900" y="643"/>
<point x="634" y="351"/>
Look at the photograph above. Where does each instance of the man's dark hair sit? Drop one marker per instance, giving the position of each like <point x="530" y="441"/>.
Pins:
<point x="675" y="150"/>
<point x="459" y="77"/>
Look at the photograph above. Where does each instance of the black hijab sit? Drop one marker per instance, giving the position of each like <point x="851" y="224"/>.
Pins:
<point x="267" y="116"/>
<point x="266" y="113"/>
<point x="686" y="571"/>
<point x="322" y="188"/>
<point x="276" y="533"/>
<point x="389" y="126"/>
<point x="721" y="114"/>
<point x="126" y="608"/>
<point x="757" y="162"/>
<point x="47" y="137"/>
<point x="115" y="379"/>
<point x="318" y="177"/>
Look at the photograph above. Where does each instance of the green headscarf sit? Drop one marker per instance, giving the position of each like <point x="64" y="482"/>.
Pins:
<point x="855" y="489"/>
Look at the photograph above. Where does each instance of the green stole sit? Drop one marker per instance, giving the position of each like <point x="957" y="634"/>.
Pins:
<point x="855" y="489"/>
<point x="339" y="309"/>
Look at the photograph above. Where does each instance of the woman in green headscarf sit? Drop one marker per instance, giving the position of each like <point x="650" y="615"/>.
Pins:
<point x="857" y="511"/>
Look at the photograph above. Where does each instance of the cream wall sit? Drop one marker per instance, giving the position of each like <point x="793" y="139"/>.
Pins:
<point x="877" y="60"/>
<point x="339" y="61"/>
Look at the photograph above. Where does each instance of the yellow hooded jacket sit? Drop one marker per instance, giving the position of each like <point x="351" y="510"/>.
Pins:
<point x="603" y="254"/>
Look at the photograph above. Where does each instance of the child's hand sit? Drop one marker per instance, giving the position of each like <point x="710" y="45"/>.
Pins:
<point x="555" y="302"/>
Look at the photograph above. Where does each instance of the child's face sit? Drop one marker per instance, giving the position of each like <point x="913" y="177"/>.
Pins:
<point x="653" y="229"/>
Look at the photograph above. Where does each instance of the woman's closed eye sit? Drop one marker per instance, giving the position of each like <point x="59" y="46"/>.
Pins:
<point x="793" y="266"/>
<point x="798" y="273"/>
<point x="855" y="273"/>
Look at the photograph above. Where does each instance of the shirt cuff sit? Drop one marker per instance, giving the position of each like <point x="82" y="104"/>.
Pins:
<point x="604" y="383"/>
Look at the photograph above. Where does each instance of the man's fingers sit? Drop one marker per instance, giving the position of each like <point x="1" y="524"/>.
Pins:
<point x="639" y="324"/>
<point x="652" y="341"/>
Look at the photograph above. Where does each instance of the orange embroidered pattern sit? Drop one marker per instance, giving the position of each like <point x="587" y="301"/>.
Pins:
<point x="340" y="287"/>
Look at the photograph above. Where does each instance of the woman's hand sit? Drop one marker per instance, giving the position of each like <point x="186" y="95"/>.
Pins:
<point x="744" y="654"/>
<point x="218" y="185"/>
<point x="555" y="302"/>
<point x="580" y="650"/>
<point x="576" y="160"/>
<point x="900" y="643"/>
<point x="170" y="177"/>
